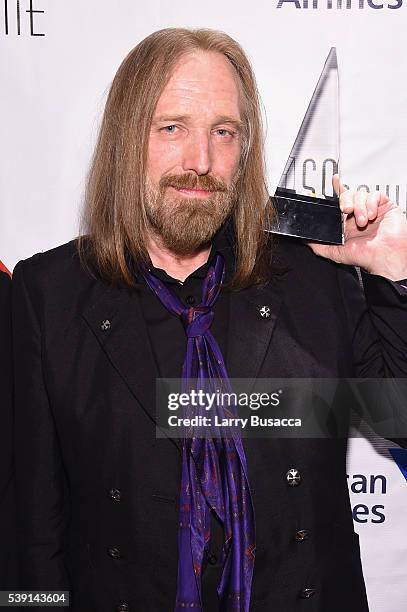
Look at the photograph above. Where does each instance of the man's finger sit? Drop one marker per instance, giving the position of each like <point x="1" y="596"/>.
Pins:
<point x="346" y="202"/>
<point x="371" y="205"/>
<point x="337" y="185"/>
<point x="359" y="207"/>
<point x="383" y="198"/>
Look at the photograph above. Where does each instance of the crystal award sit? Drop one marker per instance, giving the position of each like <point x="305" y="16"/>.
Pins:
<point x="305" y="203"/>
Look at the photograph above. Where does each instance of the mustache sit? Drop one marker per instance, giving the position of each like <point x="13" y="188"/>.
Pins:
<point x="206" y="182"/>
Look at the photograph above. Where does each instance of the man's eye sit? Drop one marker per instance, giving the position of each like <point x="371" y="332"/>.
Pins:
<point x="223" y="132"/>
<point x="170" y="129"/>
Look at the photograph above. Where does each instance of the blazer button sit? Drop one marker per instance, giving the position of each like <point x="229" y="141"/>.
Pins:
<point x="301" y="535"/>
<point x="212" y="559"/>
<point x="115" y="495"/>
<point x="307" y="593"/>
<point x="122" y="607"/>
<point x="293" y="477"/>
<point x="114" y="553"/>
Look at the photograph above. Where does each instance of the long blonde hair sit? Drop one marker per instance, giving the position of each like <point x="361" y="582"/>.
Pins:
<point x="114" y="219"/>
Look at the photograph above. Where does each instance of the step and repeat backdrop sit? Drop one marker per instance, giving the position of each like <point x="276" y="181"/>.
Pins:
<point x="57" y="60"/>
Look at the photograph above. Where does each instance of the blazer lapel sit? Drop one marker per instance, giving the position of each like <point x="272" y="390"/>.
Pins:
<point x="117" y="321"/>
<point x="252" y="319"/>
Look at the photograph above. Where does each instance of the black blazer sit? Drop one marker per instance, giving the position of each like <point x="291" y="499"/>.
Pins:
<point x="8" y="557"/>
<point x="98" y="492"/>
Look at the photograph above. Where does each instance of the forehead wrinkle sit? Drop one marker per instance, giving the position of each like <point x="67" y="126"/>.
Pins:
<point x="203" y="75"/>
<point x="187" y="105"/>
<point x="200" y="89"/>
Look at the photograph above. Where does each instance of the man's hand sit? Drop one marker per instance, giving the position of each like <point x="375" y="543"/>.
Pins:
<point x="375" y="234"/>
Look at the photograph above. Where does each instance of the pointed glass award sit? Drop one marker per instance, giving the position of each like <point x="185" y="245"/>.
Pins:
<point x="305" y="202"/>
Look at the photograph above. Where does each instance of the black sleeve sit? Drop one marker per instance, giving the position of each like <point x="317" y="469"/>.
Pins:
<point x="42" y="501"/>
<point x="7" y="499"/>
<point x="377" y="317"/>
<point x="387" y="305"/>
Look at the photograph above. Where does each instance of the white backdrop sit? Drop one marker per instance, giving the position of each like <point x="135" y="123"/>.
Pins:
<point x="58" y="58"/>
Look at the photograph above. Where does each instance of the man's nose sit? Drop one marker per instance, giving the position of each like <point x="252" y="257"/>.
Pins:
<point x="197" y="154"/>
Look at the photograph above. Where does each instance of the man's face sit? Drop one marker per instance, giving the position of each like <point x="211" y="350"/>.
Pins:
<point x="194" y="152"/>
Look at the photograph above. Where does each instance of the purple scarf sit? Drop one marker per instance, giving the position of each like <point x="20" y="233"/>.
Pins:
<point x="214" y="469"/>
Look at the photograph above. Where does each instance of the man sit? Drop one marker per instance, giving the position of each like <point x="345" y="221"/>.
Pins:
<point x="175" y="211"/>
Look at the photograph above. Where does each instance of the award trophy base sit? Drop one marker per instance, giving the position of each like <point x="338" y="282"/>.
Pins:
<point x="307" y="217"/>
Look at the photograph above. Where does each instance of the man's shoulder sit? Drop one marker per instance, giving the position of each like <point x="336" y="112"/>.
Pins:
<point x="296" y="255"/>
<point x="57" y="269"/>
<point x="305" y="269"/>
<point x="55" y="259"/>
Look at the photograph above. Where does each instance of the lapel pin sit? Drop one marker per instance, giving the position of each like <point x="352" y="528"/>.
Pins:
<point x="105" y="325"/>
<point x="265" y="312"/>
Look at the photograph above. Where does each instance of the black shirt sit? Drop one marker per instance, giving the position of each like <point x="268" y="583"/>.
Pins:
<point x="166" y="332"/>
<point x="168" y="341"/>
